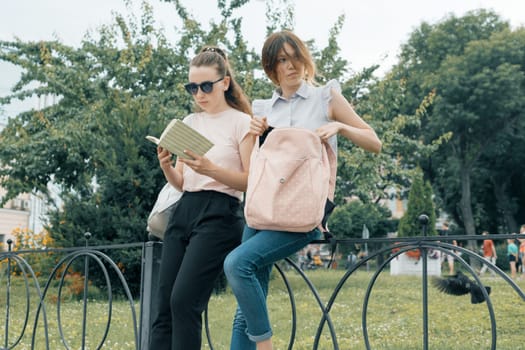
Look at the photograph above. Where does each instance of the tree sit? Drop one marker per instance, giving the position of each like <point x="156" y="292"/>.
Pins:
<point x="348" y="219"/>
<point x="482" y="98"/>
<point x="112" y="91"/>
<point x="125" y="82"/>
<point x="419" y="202"/>
<point x="478" y="80"/>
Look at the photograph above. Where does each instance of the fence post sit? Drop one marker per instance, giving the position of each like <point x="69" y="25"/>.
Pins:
<point x="424" y="220"/>
<point x="150" y="267"/>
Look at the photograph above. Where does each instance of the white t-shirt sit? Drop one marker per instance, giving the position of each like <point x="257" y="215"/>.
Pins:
<point x="226" y="130"/>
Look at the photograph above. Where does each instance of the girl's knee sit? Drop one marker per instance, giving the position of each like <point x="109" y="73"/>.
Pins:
<point x="235" y="266"/>
<point x="180" y="303"/>
<point x="229" y="265"/>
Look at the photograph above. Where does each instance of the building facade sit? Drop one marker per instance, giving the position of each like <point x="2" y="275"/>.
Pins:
<point x="25" y="212"/>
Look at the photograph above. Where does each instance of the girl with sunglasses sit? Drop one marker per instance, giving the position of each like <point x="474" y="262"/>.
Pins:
<point x="207" y="221"/>
<point x="297" y="102"/>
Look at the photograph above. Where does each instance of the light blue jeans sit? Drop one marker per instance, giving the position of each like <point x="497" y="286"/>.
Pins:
<point x="247" y="269"/>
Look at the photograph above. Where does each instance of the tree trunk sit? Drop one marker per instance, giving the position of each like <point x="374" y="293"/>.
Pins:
<point x="465" y="202"/>
<point x="466" y="211"/>
<point x="506" y="205"/>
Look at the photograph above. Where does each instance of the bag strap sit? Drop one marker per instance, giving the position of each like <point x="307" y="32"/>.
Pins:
<point x="260" y="140"/>
<point x="333" y="246"/>
<point x="332" y="161"/>
<point x="330" y="205"/>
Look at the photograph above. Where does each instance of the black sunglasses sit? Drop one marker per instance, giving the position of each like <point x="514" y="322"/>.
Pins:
<point x="206" y="86"/>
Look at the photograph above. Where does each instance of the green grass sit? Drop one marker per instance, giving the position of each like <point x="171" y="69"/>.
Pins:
<point x="394" y="319"/>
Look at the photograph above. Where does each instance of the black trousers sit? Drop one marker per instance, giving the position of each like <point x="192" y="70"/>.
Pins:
<point x="205" y="226"/>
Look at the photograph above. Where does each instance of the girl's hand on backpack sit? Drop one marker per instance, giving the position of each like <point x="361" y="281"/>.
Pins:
<point x="258" y="126"/>
<point x="328" y="130"/>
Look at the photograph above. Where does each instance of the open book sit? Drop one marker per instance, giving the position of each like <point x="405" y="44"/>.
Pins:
<point x="179" y="136"/>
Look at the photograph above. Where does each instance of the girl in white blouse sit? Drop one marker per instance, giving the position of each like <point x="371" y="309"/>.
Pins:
<point x="297" y="102"/>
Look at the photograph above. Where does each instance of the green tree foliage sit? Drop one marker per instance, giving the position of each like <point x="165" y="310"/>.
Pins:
<point x="483" y="99"/>
<point x="429" y="44"/>
<point x="348" y="219"/>
<point x="111" y="92"/>
<point x="475" y="65"/>
<point x="125" y="82"/>
<point x="403" y="146"/>
<point x="419" y="202"/>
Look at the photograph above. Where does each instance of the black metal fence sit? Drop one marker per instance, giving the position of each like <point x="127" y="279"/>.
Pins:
<point x="41" y="295"/>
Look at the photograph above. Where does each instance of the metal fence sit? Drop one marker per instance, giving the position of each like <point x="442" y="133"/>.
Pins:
<point x="38" y="301"/>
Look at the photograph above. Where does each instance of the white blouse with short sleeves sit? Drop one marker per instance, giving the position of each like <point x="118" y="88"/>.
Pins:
<point x="307" y="108"/>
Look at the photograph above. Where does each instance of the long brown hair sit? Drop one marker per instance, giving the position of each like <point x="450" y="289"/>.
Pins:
<point x="212" y="56"/>
<point x="272" y="48"/>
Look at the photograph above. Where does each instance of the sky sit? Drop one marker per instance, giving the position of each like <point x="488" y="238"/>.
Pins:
<point x="373" y="32"/>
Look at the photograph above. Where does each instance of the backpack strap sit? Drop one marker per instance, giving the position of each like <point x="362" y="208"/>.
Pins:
<point x="332" y="161"/>
<point x="262" y="138"/>
<point x="330" y="205"/>
<point x="333" y="246"/>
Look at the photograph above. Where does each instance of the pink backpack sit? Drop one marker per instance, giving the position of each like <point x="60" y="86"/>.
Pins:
<point x="292" y="175"/>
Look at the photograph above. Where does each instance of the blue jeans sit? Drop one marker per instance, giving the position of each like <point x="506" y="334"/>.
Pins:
<point x="247" y="269"/>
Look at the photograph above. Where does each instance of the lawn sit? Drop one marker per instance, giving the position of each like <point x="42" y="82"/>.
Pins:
<point x="394" y="316"/>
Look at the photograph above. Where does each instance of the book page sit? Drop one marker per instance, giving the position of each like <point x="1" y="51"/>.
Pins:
<point x="153" y="139"/>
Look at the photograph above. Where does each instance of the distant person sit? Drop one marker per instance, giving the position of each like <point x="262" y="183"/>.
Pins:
<point x="450" y="259"/>
<point x="489" y="253"/>
<point x="521" y="254"/>
<point x="512" y="255"/>
<point x="309" y="255"/>
<point x="317" y="260"/>
<point x="444" y="229"/>
<point x="351" y="259"/>
<point x="307" y="260"/>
